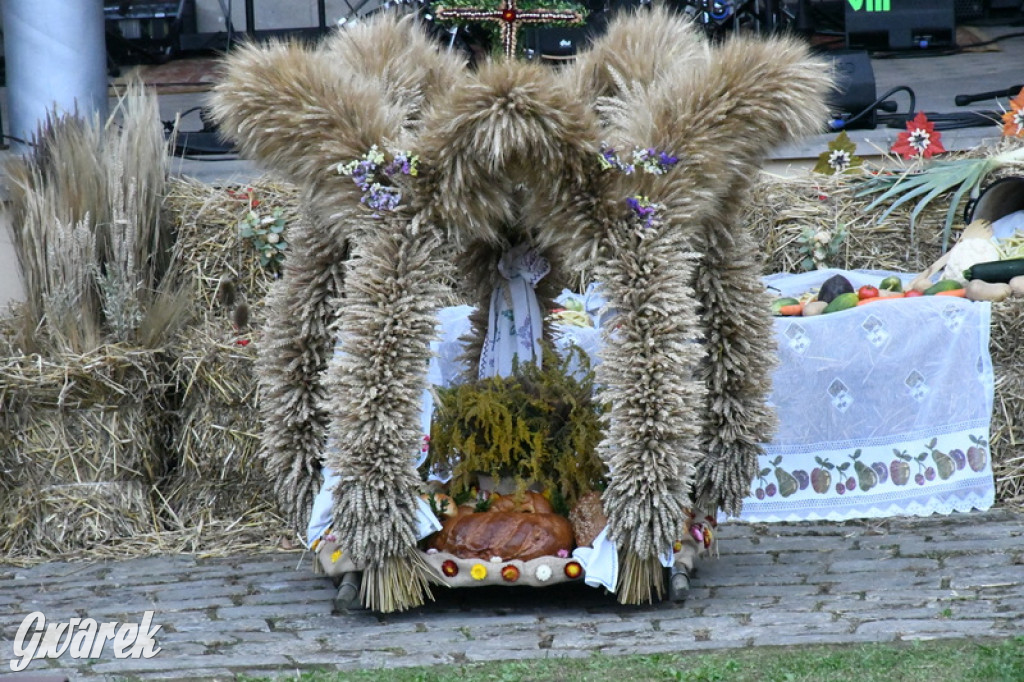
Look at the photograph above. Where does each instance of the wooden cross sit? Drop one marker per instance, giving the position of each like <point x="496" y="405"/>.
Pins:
<point x="510" y="17"/>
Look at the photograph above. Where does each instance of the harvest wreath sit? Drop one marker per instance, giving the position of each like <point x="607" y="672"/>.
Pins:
<point x="511" y="200"/>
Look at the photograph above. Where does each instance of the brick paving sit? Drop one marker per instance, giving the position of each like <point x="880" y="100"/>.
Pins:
<point x="779" y="584"/>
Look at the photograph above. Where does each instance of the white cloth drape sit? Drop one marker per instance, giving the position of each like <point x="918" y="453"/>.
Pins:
<point x="515" y="323"/>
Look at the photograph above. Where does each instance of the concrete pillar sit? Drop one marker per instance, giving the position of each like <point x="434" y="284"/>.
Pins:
<point x="56" y="58"/>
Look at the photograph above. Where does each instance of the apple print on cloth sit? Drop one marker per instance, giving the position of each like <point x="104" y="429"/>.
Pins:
<point x="879" y="414"/>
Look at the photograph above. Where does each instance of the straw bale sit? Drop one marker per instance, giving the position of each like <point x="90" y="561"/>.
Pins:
<point x="219" y="429"/>
<point x="218" y="473"/>
<point x="207" y="220"/>
<point x="781" y="208"/>
<point x="84" y="418"/>
<point x="57" y="519"/>
<point x="1007" y="435"/>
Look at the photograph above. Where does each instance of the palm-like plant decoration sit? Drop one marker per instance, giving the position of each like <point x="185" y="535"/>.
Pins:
<point x="939" y="177"/>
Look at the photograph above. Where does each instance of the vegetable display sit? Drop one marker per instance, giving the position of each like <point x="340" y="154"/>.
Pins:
<point x="837" y="293"/>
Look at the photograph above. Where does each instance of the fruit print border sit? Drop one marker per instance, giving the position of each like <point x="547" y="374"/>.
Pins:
<point x="943" y="474"/>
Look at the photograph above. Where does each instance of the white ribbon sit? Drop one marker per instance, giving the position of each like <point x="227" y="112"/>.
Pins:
<point x="515" y="322"/>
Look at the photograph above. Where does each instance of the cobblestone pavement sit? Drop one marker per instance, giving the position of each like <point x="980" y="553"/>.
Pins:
<point x="886" y="580"/>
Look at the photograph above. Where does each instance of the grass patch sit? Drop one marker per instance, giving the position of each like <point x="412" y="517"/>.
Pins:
<point x="932" y="661"/>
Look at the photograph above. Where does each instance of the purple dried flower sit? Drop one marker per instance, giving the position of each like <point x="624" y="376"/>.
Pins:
<point x="643" y="209"/>
<point x="381" y="198"/>
<point x="399" y="166"/>
<point x="372" y="170"/>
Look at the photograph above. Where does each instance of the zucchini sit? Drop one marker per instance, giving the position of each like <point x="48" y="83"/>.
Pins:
<point x="996" y="270"/>
<point x="943" y="285"/>
<point x="842" y="302"/>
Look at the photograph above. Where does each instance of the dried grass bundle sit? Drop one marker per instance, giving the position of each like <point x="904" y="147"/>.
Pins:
<point x="56" y="196"/>
<point x="88" y="232"/>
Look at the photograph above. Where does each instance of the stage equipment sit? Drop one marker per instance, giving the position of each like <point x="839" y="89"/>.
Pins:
<point x="900" y="24"/>
<point x="853" y="102"/>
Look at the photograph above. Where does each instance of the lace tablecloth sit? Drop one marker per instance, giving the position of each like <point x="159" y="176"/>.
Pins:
<point x="884" y="409"/>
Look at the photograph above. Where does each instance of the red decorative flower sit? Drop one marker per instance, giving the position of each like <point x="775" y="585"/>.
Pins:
<point x="1013" y="120"/>
<point x="919" y="140"/>
<point x="573" y="570"/>
<point x="510" y="573"/>
<point x="450" y="568"/>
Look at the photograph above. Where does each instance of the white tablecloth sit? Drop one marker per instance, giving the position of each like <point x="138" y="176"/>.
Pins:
<point x="884" y="409"/>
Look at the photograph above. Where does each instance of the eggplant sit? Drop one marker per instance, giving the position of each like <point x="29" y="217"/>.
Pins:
<point x="834" y="286"/>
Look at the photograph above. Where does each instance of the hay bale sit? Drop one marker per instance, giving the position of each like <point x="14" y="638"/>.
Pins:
<point x="783" y="208"/>
<point x="219" y="427"/>
<point x="1007" y="436"/>
<point x="217" y="472"/>
<point x="59" y="519"/>
<point x="87" y="418"/>
<point x="208" y="243"/>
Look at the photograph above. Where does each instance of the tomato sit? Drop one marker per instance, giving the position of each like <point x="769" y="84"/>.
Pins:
<point x="912" y="293"/>
<point x="867" y="291"/>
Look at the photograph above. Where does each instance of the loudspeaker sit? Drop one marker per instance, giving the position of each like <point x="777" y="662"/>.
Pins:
<point x="855" y="88"/>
